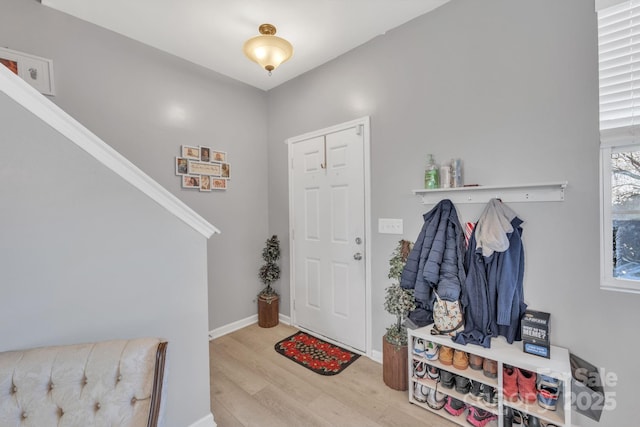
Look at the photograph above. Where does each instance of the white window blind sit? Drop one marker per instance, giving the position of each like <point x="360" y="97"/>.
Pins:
<point x="619" y="66"/>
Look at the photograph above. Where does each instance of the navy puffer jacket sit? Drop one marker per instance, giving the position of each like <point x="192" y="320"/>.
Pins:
<point x="436" y="261"/>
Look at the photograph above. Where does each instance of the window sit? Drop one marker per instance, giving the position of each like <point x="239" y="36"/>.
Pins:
<point x="619" y="69"/>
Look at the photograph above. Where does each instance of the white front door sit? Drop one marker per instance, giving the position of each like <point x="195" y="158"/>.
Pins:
<point x="328" y="235"/>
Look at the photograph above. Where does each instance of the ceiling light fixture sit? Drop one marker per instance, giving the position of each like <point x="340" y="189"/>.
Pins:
<point x="266" y="49"/>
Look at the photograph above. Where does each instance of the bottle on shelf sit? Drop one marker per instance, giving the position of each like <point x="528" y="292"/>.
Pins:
<point x="456" y="166"/>
<point x="431" y="180"/>
<point x="445" y="175"/>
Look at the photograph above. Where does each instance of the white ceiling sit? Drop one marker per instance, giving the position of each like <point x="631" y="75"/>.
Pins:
<point x="211" y="33"/>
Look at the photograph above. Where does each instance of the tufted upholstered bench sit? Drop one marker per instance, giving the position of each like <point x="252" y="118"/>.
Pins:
<point x="110" y="383"/>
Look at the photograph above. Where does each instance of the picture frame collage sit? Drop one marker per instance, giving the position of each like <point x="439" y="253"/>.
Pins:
<point x="202" y="168"/>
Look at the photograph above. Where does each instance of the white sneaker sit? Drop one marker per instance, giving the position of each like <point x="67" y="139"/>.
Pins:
<point x="419" y="346"/>
<point x="419" y="369"/>
<point x="431" y="350"/>
<point x="435" y="399"/>
<point x="419" y="392"/>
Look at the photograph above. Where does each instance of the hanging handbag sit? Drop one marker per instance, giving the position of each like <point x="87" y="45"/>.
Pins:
<point x="447" y="317"/>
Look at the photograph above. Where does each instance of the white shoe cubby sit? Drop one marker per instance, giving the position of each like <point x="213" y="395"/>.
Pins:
<point x="504" y="354"/>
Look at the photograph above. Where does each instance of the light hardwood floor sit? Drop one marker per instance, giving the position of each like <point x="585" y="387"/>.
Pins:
<point x="252" y="385"/>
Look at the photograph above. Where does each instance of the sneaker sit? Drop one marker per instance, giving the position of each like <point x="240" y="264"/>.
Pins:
<point x="460" y="360"/>
<point x="475" y="362"/>
<point x="518" y="418"/>
<point x="479" y="417"/>
<point x="431" y="350"/>
<point x="463" y="385"/>
<point x="454" y="406"/>
<point x="435" y="399"/>
<point x="510" y="383"/>
<point x="419" y="369"/>
<point x="419" y="346"/>
<point x="490" y="396"/>
<point x="490" y="368"/>
<point x="447" y="379"/>
<point x="433" y="373"/>
<point x="507" y="419"/>
<point x="527" y="386"/>
<point x="446" y="355"/>
<point x="548" y="381"/>
<point x="533" y="421"/>
<point x="476" y="390"/>
<point x="548" y="397"/>
<point x="420" y="392"/>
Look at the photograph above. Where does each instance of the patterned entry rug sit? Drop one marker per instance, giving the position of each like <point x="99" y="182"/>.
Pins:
<point x="320" y="356"/>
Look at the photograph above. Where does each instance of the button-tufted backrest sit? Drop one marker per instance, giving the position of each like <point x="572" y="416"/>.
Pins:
<point x="111" y="383"/>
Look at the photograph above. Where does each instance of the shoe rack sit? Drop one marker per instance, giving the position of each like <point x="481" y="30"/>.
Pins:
<point x="504" y="354"/>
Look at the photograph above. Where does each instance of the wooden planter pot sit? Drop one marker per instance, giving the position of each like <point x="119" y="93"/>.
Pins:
<point x="268" y="309"/>
<point x="395" y="367"/>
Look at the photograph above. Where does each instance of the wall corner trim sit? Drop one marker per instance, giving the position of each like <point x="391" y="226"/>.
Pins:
<point x="206" y="421"/>
<point x="30" y="99"/>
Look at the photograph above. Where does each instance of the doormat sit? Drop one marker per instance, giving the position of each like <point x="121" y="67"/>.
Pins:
<point x="319" y="356"/>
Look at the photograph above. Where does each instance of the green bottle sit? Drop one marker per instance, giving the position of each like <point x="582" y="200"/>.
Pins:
<point x="431" y="174"/>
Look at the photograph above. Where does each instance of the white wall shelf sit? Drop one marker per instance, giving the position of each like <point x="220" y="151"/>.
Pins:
<point x="540" y="192"/>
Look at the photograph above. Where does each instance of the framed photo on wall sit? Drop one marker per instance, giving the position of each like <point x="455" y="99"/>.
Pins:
<point x="182" y="166"/>
<point x="218" y="156"/>
<point x="219" y="184"/>
<point x="205" y="154"/>
<point x="205" y="183"/>
<point x="191" y="181"/>
<point x="190" y="152"/>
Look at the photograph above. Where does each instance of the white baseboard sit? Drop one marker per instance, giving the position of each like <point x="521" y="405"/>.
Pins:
<point x="239" y="324"/>
<point x="284" y="319"/>
<point x="376" y="356"/>
<point x="231" y="327"/>
<point x="207" y="421"/>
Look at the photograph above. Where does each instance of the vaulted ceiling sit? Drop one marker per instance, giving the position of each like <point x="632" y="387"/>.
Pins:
<point x="211" y="33"/>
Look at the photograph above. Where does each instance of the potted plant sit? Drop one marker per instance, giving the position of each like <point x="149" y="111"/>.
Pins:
<point x="268" y="299"/>
<point x="399" y="302"/>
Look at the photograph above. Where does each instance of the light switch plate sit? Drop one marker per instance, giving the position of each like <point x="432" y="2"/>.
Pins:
<point x="390" y="226"/>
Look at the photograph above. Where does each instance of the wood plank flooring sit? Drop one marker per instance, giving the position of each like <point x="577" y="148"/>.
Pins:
<point x="252" y="385"/>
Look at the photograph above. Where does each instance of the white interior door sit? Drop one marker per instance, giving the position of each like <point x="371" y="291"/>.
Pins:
<point x="328" y="235"/>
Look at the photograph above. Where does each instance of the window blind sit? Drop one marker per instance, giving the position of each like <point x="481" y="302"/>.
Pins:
<point x="619" y="66"/>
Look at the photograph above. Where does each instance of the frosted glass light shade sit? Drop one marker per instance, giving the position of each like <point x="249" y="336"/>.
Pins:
<point x="268" y="50"/>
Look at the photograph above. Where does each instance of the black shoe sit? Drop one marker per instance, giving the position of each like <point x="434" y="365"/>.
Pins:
<point x="490" y="396"/>
<point x="446" y="379"/>
<point x="476" y="390"/>
<point x="518" y="418"/>
<point x="463" y="385"/>
<point x="507" y="419"/>
<point x="533" y="421"/>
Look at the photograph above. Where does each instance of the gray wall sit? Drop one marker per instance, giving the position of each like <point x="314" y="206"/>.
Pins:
<point x="86" y="257"/>
<point x="131" y="96"/>
<point x="511" y="88"/>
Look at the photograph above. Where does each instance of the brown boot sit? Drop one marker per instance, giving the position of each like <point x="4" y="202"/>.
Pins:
<point x="490" y="368"/>
<point x="460" y="360"/>
<point x="446" y="355"/>
<point x="475" y="362"/>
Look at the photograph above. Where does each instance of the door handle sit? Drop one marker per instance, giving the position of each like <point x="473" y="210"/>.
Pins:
<point x="357" y="256"/>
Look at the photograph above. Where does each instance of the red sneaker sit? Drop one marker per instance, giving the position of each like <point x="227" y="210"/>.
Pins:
<point x="527" y="386"/>
<point x="510" y="383"/>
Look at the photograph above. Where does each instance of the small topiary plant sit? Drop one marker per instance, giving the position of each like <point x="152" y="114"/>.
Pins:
<point x="398" y="301"/>
<point x="270" y="271"/>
